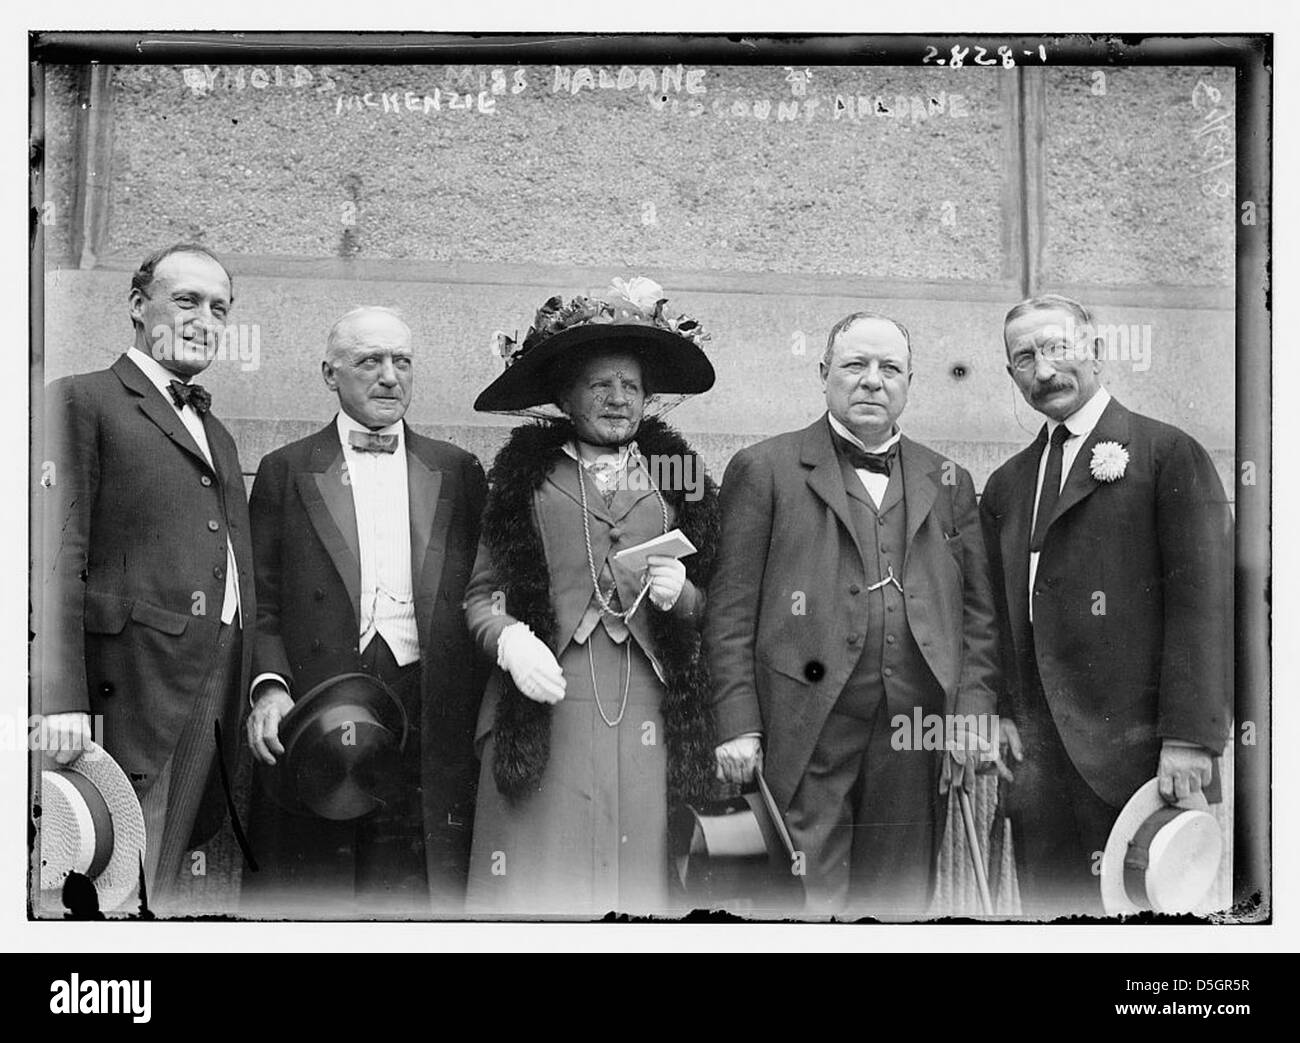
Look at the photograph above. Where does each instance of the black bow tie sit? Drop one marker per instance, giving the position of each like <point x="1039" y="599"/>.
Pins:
<point x="860" y="459"/>
<point x="372" y="442"/>
<point x="192" y="395"/>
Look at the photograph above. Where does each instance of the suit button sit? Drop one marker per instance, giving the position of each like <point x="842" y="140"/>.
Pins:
<point x="315" y="644"/>
<point x="204" y="480"/>
<point x="615" y="534"/>
<point x="106" y="688"/>
<point x="213" y="526"/>
<point x="889" y="639"/>
<point x="814" y="671"/>
<point x="854" y="639"/>
<point x="219" y="572"/>
<point x="889" y="671"/>
<point x="318" y="594"/>
<point x="855" y="589"/>
<point x="890" y="607"/>
<point x="880" y="521"/>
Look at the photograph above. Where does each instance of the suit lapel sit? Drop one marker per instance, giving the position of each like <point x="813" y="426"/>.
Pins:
<point x="327" y="497"/>
<point x="158" y="409"/>
<point x="919" y="485"/>
<point x="565" y="478"/>
<point x="225" y="457"/>
<point x="825" y="478"/>
<point x="1015" y="528"/>
<point x="1112" y="426"/>
<point x="430" y="517"/>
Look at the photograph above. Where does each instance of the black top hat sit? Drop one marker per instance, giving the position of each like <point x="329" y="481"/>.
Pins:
<point x="737" y="852"/>
<point x="630" y="317"/>
<point x="342" y="742"/>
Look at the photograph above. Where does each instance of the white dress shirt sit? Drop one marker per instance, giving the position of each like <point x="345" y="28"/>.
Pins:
<point x="161" y="378"/>
<point x="1080" y="424"/>
<point x="874" y="483"/>
<point x="383" y="509"/>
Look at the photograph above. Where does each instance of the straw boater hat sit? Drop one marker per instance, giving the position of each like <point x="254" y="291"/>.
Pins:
<point x="341" y="743"/>
<point x="90" y="823"/>
<point x="629" y="317"/>
<point x="1160" y="857"/>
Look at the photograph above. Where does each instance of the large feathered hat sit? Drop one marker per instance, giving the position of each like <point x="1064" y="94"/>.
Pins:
<point x="629" y="317"/>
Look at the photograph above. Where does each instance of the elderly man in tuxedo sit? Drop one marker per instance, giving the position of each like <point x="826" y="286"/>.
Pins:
<point x="851" y="587"/>
<point x="1111" y="538"/>
<point x="147" y="563"/>
<point x="364" y="536"/>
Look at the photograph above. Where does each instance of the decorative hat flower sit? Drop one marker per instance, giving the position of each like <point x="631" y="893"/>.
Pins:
<point x="645" y="293"/>
<point x="505" y="345"/>
<point x="1109" y="460"/>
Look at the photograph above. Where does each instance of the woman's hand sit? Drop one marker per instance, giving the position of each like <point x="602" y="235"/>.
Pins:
<point x="530" y="664"/>
<point x="667" y="578"/>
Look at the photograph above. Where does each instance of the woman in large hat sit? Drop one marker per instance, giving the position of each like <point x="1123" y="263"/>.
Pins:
<point x="597" y="717"/>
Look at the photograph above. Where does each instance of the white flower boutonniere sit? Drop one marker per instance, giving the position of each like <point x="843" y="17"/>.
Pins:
<point x="1109" y="460"/>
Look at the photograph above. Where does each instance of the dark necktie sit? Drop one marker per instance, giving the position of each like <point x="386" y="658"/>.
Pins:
<point x="192" y="395"/>
<point x="370" y="442"/>
<point x="1051" y="488"/>
<point x="877" y="463"/>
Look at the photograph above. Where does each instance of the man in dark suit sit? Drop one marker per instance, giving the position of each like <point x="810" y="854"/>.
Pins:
<point x="147" y="558"/>
<point x="364" y="535"/>
<point x="851" y="593"/>
<point x="1111" y="538"/>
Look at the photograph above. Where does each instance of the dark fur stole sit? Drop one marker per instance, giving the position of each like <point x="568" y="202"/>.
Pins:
<point x="522" y="727"/>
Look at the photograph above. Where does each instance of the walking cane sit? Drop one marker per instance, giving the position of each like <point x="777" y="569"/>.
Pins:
<point x="973" y="846"/>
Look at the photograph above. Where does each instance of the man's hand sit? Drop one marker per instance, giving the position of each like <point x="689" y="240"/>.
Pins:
<point x="967" y="753"/>
<point x="667" y="578"/>
<point x="1008" y="746"/>
<point x="66" y="735"/>
<point x="530" y="663"/>
<point x="739" y="758"/>
<point x="264" y="722"/>
<point x="1184" y="770"/>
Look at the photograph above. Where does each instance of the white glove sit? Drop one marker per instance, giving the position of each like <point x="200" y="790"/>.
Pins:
<point x="530" y="663"/>
<point x="667" y="577"/>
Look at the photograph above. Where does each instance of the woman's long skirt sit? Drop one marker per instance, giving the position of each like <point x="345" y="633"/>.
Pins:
<point x="594" y="837"/>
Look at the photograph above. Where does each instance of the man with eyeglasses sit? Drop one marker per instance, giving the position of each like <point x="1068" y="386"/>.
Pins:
<point x="1111" y="537"/>
<point x="147" y="562"/>
<point x="364" y="535"/>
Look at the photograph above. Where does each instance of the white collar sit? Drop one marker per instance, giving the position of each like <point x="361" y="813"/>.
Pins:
<point x="1081" y="422"/>
<point x="159" y="375"/>
<point x="346" y="423"/>
<point x="619" y="462"/>
<point x="849" y="436"/>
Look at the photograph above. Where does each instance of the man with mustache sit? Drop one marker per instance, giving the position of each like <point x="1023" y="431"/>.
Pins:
<point x="148" y="565"/>
<point x="1111" y="537"/>
<point x="851" y="587"/>
<point x="363" y="537"/>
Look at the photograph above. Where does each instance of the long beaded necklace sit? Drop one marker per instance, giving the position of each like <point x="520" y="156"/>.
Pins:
<point x="607" y="606"/>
